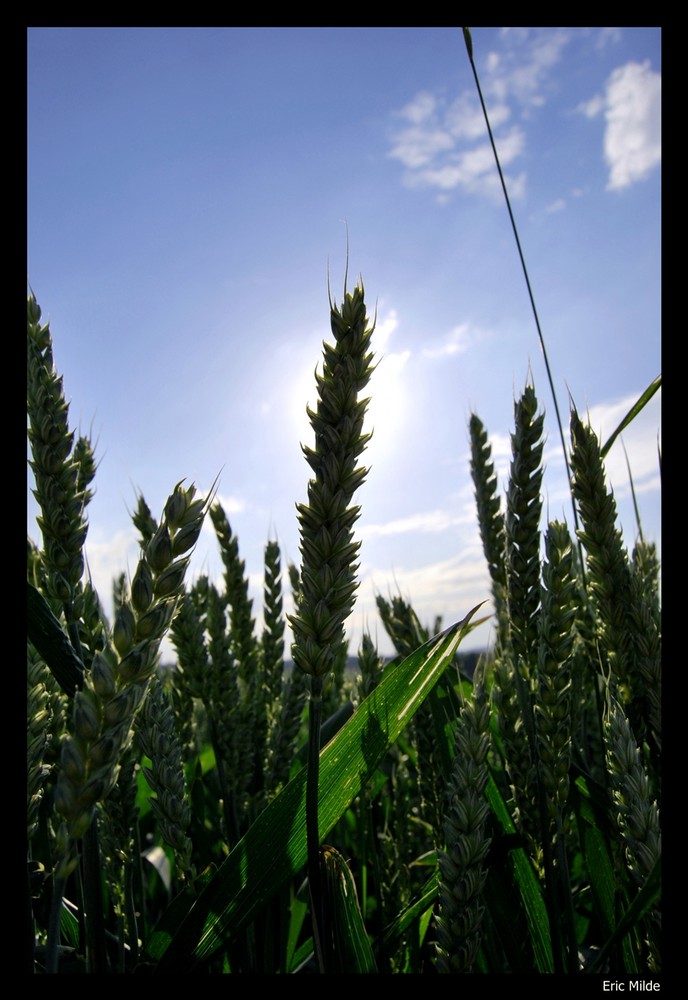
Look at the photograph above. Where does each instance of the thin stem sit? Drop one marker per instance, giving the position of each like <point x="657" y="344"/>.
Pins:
<point x="312" y="827"/>
<point x="469" y="48"/>
<point x="31" y="924"/>
<point x="93" y="895"/>
<point x="131" y="923"/>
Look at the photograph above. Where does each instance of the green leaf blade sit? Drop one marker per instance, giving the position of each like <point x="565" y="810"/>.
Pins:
<point x="528" y="887"/>
<point x="639" y="405"/>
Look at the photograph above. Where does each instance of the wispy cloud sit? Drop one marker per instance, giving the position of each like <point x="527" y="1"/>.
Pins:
<point x="230" y="504"/>
<point x="608" y="36"/>
<point x="388" y="390"/>
<point x="521" y="70"/>
<point x="460" y="339"/>
<point x="442" y="143"/>
<point x="431" y="155"/>
<point x="385" y="325"/>
<point x="107" y="557"/>
<point x="556" y="206"/>
<point x="421" y="523"/>
<point x="632" y="109"/>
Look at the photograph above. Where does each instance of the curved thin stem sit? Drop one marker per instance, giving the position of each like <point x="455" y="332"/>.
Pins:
<point x="469" y="49"/>
<point x="312" y="828"/>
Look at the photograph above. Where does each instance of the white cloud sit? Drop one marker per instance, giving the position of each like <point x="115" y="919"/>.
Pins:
<point x="631" y="105"/>
<point x="632" y="108"/>
<point x="465" y="120"/>
<point x="230" y="504"/>
<point x="474" y="169"/>
<point x="460" y="339"/>
<point x="593" y="107"/>
<point x="521" y="70"/>
<point x="556" y="206"/>
<point x="428" y="521"/>
<point x="108" y="557"/>
<point x="421" y="107"/>
<point x="388" y="393"/>
<point x="632" y="141"/>
<point x="416" y="147"/>
<point x="608" y="36"/>
<point x="384" y="328"/>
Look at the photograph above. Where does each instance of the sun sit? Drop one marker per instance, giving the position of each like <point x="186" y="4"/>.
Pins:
<point x="387" y="392"/>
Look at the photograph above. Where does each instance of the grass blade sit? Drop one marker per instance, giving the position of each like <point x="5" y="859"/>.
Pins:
<point x="643" y="902"/>
<point x="349" y="950"/>
<point x="639" y="405"/>
<point x="419" y="905"/>
<point x="592" y="824"/>
<point x="528" y="887"/>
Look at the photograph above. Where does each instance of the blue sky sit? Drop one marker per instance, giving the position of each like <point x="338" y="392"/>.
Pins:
<point x="190" y="189"/>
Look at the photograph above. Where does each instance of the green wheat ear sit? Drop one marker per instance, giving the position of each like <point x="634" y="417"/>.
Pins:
<point x="635" y="812"/>
<point x="329" y="552"/>
<point x="463" y="871"/>
<point x="157" y="737"/>
<point x="553" y="715"/>
<point x="63" y="470"/>
<point x="629" y="626"/>
<point x="490" y="520"/>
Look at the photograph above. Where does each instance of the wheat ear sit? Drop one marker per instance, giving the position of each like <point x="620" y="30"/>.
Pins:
<point x="462" y="862"/>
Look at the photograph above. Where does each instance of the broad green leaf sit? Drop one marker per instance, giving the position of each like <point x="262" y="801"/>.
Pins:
<point x="639" y="404"/>
<point x="274" y="848"/>
<point x="50" y="640"/>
